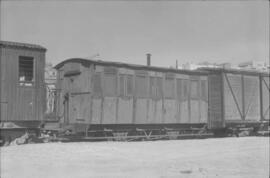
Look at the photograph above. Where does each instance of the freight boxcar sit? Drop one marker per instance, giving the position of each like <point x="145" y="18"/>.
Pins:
<point x="22" y="91"/>
<point x="98" y="97"/>
<point x="238" y="99"/>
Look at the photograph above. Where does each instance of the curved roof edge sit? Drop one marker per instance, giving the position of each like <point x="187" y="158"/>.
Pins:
<point x="88" y="62"/>
<point x="21" y="45"/>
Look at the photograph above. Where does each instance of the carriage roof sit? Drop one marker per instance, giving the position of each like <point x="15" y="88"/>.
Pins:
<point x="88" y="62"/>
<point x="21" y="45"/>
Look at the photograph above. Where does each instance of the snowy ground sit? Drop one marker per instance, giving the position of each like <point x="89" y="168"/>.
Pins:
<point x="223" y="157"/>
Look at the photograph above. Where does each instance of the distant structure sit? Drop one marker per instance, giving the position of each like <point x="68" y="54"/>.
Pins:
<point x="254" y="65"/>
<point x="193" y="66"/>
<point x="50" y="81"/>
<point x="249" y="65"/>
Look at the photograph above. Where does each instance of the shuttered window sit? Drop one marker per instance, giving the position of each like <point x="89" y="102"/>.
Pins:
<point x="185" y="89"/>
<point x="194" y="89"/>
<point x="182" y="89"/>
<point x="204" y="90"/>
<point x="141" y="86"/>
<point x="125" y="85"/>
<point x="129" y="84"/>
<point x="152" y="87"/>
<point x="97" y="84"/>
<point x="169" y="88"/>
<point x="110" y="85"/>
<point x="179" y="89"/>
<point x="155" y="87"/>
<point x="26" y="69"/>
<point x="159" y="88"/>
<point x="121" y="85"/>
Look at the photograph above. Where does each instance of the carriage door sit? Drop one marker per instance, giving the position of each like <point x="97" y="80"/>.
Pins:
<point x="27" y="89"/>
<point x="66" y="108"/>
<point x="80" y="107"/>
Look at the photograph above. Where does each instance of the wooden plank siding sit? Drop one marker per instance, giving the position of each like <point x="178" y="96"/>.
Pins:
<point x="265" y="84"/>
<point x="233" y="105"/>
<point x="251" y="98"/>
<point x="18" y="102"/>
<point x="242" y="97"/>
<point x="216" y="113"/>
<point x="99" y="96"/>
<point x="125" y="99"/>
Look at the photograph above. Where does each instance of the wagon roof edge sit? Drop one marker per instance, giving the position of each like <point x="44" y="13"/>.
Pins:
<point x="21" y="45"/>
<point x="87" y="62"/>
<point x="235" y="71"/>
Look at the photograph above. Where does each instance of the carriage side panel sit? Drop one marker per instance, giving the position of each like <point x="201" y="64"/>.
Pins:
<point x="204" y="99"/>
<point x="170" y="99"/>
<point x="194" y="99"/>
<point x="125" y="96"/>
<point x="141" y="105"/>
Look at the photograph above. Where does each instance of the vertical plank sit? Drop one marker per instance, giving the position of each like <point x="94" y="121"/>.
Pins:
<point x="261" y="98"/>
<point x="188" y="102"/>
<point x="96" y="110"/>
<point x="134" y="101"/>
<point x="215" y="101"/>
<point x="125" y="111"/>
<point x="109" y="110"/>
<point x="141" y="111"/>
<point x="243" y="97"/>
<point x="200" y="98"/>
<point x="266" y="97"/>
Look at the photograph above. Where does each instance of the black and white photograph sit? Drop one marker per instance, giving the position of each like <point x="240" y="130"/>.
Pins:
<point x="134" y="89"/>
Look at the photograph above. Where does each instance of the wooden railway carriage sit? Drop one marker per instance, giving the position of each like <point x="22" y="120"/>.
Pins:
<point x="238" y="98"/>
<point x="108" y="96"/>
<point x="22" y="90"/>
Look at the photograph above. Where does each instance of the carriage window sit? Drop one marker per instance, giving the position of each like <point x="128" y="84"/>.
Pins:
<point x="169" y="88"/>
<point x="126" y="85"/>
<point x="159" y="88"/>
<point x="203" y="90"/>
<point x="185" y="92"/>
<point x="141" y="86"/>
<point x="122" y="85"/>
<point x="129" y="84"/>
<point x="109" y="85"/>
<point x="155" y="87"/>
<point x="152" y="87"/>
<point x="26" y="69"/>
<point x="97" y="84"/>
<point x="179" y="89"/>
<point x="194" y="94"/>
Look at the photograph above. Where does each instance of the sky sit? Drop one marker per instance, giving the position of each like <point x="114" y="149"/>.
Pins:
<point x="187" y="31"/>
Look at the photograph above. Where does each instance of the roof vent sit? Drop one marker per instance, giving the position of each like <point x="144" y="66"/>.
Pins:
<point x="148" y="55"/>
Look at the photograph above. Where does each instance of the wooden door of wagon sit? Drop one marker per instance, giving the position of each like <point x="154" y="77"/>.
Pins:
<point x="241" y="97"/>
<point x="26" y="103"/>
<point x="79" y="108"/>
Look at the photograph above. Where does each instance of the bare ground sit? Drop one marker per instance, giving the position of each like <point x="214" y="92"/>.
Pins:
<point x="223" y="157"/>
